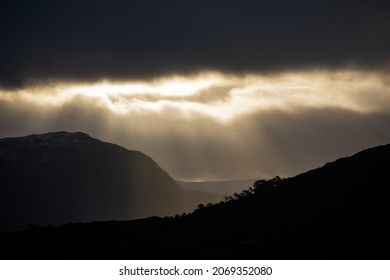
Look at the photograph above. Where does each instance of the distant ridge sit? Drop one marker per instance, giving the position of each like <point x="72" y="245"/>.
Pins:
<point x="51" y="138"/>
<point x="61" y="177"/>
<point x="220" y="187"/>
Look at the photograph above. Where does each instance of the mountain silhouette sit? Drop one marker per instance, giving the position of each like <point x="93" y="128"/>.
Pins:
<point x="63" y="177"/>
<point x="338" y="211"/>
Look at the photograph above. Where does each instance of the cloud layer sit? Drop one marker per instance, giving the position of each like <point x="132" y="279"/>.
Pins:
<point x="81" y="40"/>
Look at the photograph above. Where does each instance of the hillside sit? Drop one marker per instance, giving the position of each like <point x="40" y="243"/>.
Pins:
<point x="338" y="211"/>
<point x="61" y="177"/>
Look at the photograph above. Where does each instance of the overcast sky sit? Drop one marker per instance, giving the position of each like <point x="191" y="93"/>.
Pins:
<point x="211" y="90"/>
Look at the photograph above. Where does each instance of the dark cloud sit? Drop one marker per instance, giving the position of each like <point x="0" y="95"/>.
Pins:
<point x="88" y="40"/>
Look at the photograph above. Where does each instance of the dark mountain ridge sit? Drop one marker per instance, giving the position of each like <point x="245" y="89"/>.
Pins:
<point x="60" y="138"/>
<point x="63" y="177"/>
<point x="338" y="211"/>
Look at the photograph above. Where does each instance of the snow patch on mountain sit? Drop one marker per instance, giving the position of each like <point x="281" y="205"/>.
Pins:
<point x="61" y="138"/>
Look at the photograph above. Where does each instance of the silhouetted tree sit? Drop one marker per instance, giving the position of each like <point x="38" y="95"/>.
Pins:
<point x="261" y="186"/>
<point x="200" y="207"/>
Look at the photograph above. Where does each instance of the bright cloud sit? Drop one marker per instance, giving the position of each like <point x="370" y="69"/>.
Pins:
<point x="359" y="91"/>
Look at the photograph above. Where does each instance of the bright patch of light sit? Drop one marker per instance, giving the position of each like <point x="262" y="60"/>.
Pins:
<point x="176" y="86"/>
<point x="220" y="96"/>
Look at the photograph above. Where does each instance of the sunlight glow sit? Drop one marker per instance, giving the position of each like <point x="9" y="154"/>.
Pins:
<point x="219" y="96"/>
<point x="176" y="86"/>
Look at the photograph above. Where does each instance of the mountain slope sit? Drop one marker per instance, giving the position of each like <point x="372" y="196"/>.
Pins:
<point x="338" y="211"/>
<point x="63" y="177"/>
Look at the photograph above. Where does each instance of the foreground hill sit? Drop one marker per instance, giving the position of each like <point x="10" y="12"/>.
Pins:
<point x="338" y="211"/>
<point x="62" y="177"/>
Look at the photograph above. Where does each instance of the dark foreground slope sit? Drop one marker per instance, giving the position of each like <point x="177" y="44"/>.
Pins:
<point x="339" y="211"/>
<point x="61" y="177"/>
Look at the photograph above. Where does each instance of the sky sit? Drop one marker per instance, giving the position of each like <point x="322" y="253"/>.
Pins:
<point x="211" y="90"/>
